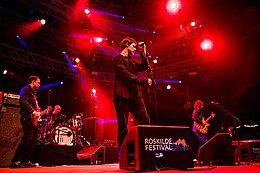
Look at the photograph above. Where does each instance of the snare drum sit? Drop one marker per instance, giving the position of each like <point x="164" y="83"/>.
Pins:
<point x="63" y="135"/>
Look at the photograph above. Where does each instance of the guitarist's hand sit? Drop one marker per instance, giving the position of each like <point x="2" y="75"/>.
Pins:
<point x="37" y="114"/>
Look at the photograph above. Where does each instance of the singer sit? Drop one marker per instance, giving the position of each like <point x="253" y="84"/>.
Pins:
<point x="127" y="91"/>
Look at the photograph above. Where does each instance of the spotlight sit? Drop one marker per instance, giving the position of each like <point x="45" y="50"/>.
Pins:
<point x="173" y="6"/>
<point x="87" y="11"/>
<point x="61" y="83"/>
<point x="168" y="87"/>
<point x="206" y="45"/>
<point x="77" y="60"/>
<point x="98" y="39"/>
<point x="94" y="91"/>
<point x="155" y="61"/>
<point x="5" y="72"/>
<point x="43" y="21"/>
<point x="64" y="52"/>
<point x="192" y="23"/>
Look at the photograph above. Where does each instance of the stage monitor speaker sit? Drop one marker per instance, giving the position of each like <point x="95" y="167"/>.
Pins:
<point x="10" y="133"/>
<point x="148" y="147"/>
<point x="96" y="154"/>
<point x="217" y="151"/>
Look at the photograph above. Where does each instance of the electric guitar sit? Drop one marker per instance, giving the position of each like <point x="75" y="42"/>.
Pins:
<point x="35" y="119"/>
<point x="203" y="128"/>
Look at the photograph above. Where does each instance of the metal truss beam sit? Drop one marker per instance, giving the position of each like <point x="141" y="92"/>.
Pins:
<point x="28" y="59"/>
<point x="19" y="57"/>
<point x="172" y="70"/>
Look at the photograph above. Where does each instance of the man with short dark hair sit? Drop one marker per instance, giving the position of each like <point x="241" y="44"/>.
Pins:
<point x="127" y="91"/>
<point x="29" y="111"/>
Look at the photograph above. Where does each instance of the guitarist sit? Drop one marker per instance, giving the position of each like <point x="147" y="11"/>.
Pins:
<point x="29" y="110"/>
<point x="199" y="124"/>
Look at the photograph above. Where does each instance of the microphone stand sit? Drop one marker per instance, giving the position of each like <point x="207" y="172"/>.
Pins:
<point x="150" y="76"/>
<point x="93" y="117"/>
<point x="235" y="120"/>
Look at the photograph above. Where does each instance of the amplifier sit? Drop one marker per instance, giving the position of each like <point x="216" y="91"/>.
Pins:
<point x="9" y="99"/>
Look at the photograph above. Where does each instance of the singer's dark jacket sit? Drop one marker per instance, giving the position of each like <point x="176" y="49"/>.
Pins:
<point x="27" y="101"/>
<point x="127" y="83"/>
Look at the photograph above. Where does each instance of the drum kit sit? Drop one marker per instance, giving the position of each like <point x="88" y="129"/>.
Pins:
<point x="65" y="132"/>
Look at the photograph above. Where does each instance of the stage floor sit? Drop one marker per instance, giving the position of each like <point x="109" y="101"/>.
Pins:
<point x="244" y="168"/>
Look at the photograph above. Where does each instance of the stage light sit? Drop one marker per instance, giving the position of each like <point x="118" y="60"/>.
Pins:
<point x="77" y="60"/>
<point x="43" y="21"/>
<point x="192" y="23"/>
<point x="64" y="52"/>
<point x="61" y="83"/>
<point x="168" y="87"/>
<point x="206" y="45"/>
<point x="87" y="11"/>
<point x="98" y="39"/>
<point x="5" y="72"/>
<point x="155" y="61"/>
<point x="94" y="91"/>
<point x="173" y="6"/>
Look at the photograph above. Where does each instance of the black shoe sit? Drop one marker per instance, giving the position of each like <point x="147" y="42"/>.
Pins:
<point x="31" y="165"/>
<point x="17" y="165"/>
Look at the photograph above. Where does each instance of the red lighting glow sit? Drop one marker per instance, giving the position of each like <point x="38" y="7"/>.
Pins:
<point x="206" y="45"/>
<point x="173" y="6"/>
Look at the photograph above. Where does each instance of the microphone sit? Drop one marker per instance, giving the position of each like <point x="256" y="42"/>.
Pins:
<point x="142" y="43"/>
<point x="215" y="103"/>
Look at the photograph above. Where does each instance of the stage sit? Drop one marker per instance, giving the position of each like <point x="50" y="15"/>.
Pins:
<point x="244" y="168"/>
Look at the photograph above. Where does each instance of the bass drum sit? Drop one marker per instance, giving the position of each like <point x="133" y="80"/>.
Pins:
<point x="63" y="135"/>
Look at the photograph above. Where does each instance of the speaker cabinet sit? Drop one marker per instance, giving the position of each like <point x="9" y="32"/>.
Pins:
<point x="148" y="147"/>
<point x="11" y="132"/>
<point x="218" y="151"/>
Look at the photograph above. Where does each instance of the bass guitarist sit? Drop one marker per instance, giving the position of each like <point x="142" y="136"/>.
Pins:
<point x="29" y="111"/>
<point x="200" y="125"/>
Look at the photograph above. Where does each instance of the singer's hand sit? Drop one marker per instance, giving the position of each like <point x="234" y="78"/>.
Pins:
<point x="142" y="49"/>
<point x="150" y="82"/>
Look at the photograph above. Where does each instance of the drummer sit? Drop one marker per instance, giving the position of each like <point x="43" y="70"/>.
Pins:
<point x="56" y="118"/>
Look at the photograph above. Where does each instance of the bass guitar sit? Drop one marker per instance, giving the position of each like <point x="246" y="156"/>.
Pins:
<point x="203" y="128"/>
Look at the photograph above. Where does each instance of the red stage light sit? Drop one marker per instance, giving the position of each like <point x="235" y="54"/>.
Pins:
<point x="98" y="39"/>
<point x="87" y="11"/>
<point x="94" y="91"/>
<point x="43" y="21"/>
<point x="77" y="60"/>
<point x="206" y="45"/>
<point x="173" y="6"/>
<point x="192" y="23"/>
